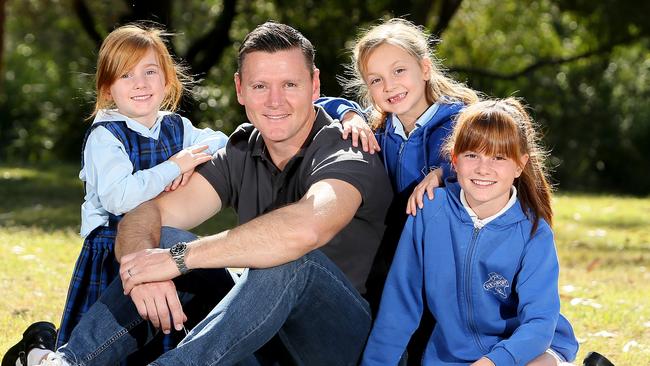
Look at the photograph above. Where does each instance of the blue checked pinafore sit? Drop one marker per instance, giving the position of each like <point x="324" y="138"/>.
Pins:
<point x="96" y="266"/>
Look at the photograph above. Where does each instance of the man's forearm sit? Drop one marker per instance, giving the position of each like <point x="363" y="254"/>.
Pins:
<point x="273" y="239"/>
<point x="138" y="230"/>
<point x="282" y="235"/>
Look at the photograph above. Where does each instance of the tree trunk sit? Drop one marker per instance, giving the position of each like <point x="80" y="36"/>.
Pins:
<point x="2" y="43"/>
<point x="87" y="21"/>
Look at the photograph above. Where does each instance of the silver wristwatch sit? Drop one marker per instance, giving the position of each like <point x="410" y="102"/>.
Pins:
<point x="178" y="252"/>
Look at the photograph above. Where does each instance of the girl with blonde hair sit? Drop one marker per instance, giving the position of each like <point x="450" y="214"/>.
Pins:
<point x="411" y="105"/>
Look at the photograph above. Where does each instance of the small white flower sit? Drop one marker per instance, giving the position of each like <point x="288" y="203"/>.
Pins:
<point x="568" y="288"/>
<point x="604" y="334"/>
<point x="630" y="344"/>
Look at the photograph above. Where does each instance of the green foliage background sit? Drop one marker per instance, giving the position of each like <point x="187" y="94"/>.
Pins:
<point x="583" y="67"/>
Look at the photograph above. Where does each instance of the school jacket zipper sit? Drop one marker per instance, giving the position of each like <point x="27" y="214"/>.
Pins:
<point x="399" y="164"/>
<point x="468" y="286"/>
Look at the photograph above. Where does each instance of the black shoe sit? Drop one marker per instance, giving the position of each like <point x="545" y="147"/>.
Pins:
<point x="592" y="359"/>
<point x="38" y="335"/>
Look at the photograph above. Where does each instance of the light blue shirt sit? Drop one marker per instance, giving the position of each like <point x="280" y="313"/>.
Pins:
<point x="111" y="185"/>
<point x="421" y="121"/>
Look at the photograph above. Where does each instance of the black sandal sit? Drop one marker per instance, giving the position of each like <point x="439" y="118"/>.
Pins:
<point x="592" y="359"/>
<point x="38" y="335"/>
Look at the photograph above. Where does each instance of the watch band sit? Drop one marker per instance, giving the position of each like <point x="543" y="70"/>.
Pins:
<point x="178" y="252"/>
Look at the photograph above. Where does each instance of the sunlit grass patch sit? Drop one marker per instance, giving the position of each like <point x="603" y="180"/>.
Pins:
<point x="604" y="248"/>
<point x="36" y="268"/>
<point x="603" y="243"/>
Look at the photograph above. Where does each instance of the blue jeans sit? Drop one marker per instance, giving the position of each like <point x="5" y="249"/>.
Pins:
<point x="317" y="313"/>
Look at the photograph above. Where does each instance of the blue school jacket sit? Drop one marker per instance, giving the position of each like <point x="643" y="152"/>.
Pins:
<point x="493" y="291"/>
<point x="407" y="161"/>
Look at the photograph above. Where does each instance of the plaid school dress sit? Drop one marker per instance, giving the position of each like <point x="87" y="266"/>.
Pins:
<point x="96" y="266"/>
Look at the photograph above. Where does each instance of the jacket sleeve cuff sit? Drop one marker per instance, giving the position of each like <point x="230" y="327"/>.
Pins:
<point x="338" y="107"/>
<point x="501" y="357"/>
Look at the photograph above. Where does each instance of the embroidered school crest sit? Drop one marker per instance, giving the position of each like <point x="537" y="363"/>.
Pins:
<point x="496" y="284"/>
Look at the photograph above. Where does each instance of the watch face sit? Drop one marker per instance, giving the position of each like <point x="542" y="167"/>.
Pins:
<point x="178" y="249"/>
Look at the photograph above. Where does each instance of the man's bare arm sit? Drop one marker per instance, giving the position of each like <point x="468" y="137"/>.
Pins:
<point x="284" y="234"/>
<point x="272" y="239"/>
<point x="184" y="208"/>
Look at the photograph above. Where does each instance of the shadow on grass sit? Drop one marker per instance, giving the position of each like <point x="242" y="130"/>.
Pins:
<point x="578" y="254"/>
<point x="629" y="223"/>
<point x="49" y="198"/>
<point x="46" y="197"/>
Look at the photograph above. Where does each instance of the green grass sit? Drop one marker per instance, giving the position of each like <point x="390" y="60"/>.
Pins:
<point x="603" y="243"/>
<point x="604" y="248"/>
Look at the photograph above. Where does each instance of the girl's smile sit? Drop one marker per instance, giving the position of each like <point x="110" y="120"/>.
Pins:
<point x="486" y="180"/>
<point x="397" y="81"/>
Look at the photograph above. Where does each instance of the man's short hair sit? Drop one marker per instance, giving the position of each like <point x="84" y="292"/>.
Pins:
<point x="273" y="37"/>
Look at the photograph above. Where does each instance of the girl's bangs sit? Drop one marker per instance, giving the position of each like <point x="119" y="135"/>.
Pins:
<point x="126" y="56"/>
<point x="493" y="133"/>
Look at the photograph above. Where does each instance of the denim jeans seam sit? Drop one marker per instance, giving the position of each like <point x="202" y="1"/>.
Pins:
<point x="252" y="329"/>
<point x="111" y="340"/>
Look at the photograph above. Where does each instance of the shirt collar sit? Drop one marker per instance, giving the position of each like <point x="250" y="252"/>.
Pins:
<point x="109" y="115"/>
<point x="480" y="223"/>
<point x="421" y="121"/>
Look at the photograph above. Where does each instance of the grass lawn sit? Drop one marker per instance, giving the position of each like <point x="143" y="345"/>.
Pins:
<point x="603" y="243"/>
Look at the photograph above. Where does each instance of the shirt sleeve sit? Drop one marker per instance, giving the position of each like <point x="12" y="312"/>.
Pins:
<point x="108" y="167"/>
<point x="539" y="303"/>
<point x="352" y="165"/>
<point x="217" y="173"/>
<point x="402" y="301"/>
<point x="224" y="171"/>
<point x="195" y="136"/>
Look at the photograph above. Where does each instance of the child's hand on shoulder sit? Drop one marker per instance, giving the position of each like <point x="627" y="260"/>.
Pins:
<point x="181" y="180"/>
<point x="428" y="184"/>
<point x="354" y="125"/>
<point x="187" y="159"/>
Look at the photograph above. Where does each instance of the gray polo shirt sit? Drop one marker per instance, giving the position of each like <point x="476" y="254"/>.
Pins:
<point x="246" y="179"/>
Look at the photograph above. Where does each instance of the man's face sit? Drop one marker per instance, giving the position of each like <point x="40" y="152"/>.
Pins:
<point x="278" y="92"/>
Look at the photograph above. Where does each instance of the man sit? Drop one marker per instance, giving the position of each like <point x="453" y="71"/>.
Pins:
<point x="297" y="187"/>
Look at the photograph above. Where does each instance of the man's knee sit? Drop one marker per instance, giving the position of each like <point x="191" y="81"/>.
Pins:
<point x="293" y="270"/>
<point x="170" y="236"/>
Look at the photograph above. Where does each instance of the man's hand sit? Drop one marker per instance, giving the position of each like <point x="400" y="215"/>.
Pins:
<point x="355" y="125"/>
<point x="149" y="265"/>
<point x="158" y="302"/>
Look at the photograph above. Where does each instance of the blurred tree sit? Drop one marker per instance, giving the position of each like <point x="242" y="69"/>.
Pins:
<point x="566" y="62"/>
<point x="582" y="65"/>
<point x="2" y="39"/>
<point x="201" y="55"/>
